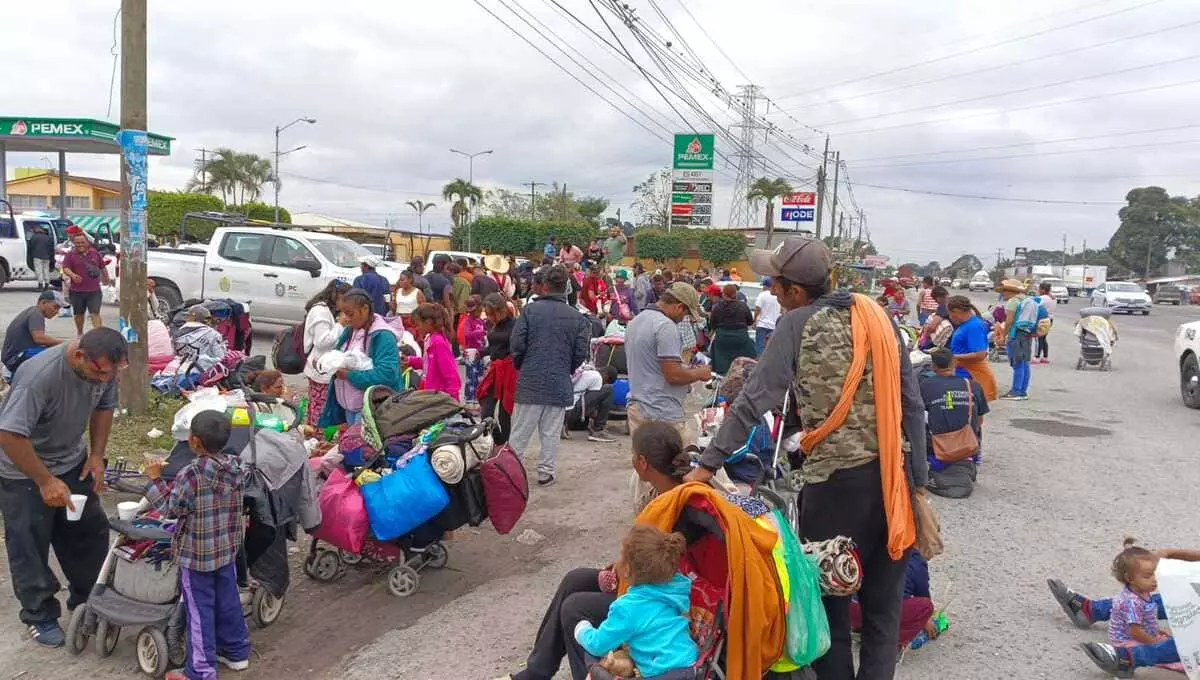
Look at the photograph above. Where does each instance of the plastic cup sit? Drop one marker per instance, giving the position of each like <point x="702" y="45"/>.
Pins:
<point x="78" y="500"/>
<point x="127" y="510"/>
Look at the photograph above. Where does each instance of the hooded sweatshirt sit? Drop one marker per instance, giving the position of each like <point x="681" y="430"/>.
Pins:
<point x="652" y="619"/>
<point x="206" y="498"/>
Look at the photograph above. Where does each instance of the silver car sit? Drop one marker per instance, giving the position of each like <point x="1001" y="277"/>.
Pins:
<point x="1122" y="296"/>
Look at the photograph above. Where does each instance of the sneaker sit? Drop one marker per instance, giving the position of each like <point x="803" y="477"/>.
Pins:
<point x="601" y="436"/>
<point x="1109" y="659"/>
<point x="1010" y="396"/>
<point x="545" y="480"/>
<point x="48" y="634"/>
<point x="234" y="665"/>
<point x="1072" y="603"/>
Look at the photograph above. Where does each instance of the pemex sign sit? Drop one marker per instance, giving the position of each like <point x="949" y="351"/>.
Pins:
<point x="693" y="152"/>
<point x="74" y="129"/>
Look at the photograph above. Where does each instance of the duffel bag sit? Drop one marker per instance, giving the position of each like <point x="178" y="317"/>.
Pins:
<point x="506" y="487"/>
<point x="344" y="522"/>
<point x="405" y="499"/>
<point x="468" y="504"/>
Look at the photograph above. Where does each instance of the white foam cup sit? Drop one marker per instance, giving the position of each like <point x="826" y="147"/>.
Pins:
<point x="78" y="500"/>
<point x="127" y="510"/>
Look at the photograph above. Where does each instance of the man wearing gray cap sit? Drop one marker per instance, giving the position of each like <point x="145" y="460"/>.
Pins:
<point x="27" y="336"/>
<point x="658" y="378"/>
<point x="810" y="356"/>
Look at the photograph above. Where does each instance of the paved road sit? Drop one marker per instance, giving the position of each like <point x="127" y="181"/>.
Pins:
<point x="1091" y="458"/>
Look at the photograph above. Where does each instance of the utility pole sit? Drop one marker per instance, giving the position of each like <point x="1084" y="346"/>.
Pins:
<point x="203" y="168"/>
<point x="1064" y="259"/>
<point x="833" y="213"/>
<point x="533" y="198"/>
<point x="1149" y="250"/>
<point x="135" y="384"/>
<point x="821" y="185"/>
<point x="1083" y="276"/>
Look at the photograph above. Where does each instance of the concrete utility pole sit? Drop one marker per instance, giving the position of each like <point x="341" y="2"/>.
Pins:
<point x="1149" y="251"/>
<point x="1064" y="261"/>
<point x="821" y="186"/>
<point x="135" y="384"/>
<point x="203" y="168"/>
<point x="833" y="213"/>
<point x="533" y="197"/>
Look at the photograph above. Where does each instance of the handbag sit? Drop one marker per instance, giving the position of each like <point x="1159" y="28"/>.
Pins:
<point x="961" y="444"/>
<point x="929" y="529"/>
<point x="505" y="488"/>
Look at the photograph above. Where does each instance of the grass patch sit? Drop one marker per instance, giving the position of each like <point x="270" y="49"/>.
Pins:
<point x="128" y="439"/>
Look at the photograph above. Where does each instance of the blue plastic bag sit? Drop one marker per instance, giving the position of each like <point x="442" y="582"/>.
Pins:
<point x="405" y="499"/>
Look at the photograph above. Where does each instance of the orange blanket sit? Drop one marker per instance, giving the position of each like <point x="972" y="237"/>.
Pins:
<point x="756" y="623"/>
<point x="873" y="335"/>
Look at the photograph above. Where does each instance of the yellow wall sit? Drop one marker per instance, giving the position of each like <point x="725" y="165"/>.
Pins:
<point x="45" y="185"/>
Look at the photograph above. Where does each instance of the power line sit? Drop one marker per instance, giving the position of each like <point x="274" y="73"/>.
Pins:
<point x="1027" y="107"/>
<point x="1031" y="155"/>
<point x="973" y="50"/>
<point x="714" y="42"/>
<point x="1008" y="199"/>
<point x="997" y="67"/>
<point x="1022" y="90"/>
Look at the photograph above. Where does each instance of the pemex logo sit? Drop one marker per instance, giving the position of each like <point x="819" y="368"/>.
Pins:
<point x="20" y="128"/>
<point x="693" y="147"/>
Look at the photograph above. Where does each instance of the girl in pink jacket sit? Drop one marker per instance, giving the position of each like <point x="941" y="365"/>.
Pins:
<point x="432" y="322"/>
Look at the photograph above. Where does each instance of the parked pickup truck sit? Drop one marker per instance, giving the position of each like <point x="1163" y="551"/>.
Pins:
<point x="276" y="270"/>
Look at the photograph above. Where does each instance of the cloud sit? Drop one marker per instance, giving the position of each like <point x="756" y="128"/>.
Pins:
<point x="395" y="85"/>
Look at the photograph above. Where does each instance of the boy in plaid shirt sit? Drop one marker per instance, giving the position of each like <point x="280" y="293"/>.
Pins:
<point x="206" y="497"/>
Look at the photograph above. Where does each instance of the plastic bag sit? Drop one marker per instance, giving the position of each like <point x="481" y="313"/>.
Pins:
<point x="1179" y="585"/>
<point x="807" y="624"/>
<point x="345" y="523"/>
<point x="405" y="499"/>
<point x="336" y="360"/>
<point x="182" y="426"/>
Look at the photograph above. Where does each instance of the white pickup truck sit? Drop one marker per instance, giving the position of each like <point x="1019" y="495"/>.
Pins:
<point x="276" y="270"/>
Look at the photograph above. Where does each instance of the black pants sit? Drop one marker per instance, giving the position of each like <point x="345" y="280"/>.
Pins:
<point x="1043" y="347"/>
<point x="578" y="599"/>
<point x="850" y="503"/>
<point x="592" y="411"/>
<point x="31" y="528"/>
<point x="487" y="406"/>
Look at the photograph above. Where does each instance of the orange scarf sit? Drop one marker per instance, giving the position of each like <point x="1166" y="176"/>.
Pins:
<point x="874" y="335"/>
<point x="756" y="623"/>
<point x="981" y="372"/>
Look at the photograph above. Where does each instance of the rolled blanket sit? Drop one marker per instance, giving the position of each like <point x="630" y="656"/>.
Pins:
<point x="448" y="463"/>
<point x="840" y="566"/>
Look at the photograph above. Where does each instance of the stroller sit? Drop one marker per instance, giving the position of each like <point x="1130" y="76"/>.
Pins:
<point x="1097" y="334"/>
<point x="406" y="556"/>
<point x="610" y="351"/>
<point x="138" y="585"/>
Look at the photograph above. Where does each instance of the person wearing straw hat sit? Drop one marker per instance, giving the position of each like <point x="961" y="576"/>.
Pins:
<point x="496" y="280"/>
<point x="1021" y="325"/>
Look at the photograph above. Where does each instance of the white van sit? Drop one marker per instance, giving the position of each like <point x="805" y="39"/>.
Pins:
<point x="16" y="230"/>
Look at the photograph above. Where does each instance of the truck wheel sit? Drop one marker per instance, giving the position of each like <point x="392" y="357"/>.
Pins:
<point x="3" y="272"/>
<point x="1189" y="382"/>
<point x="171" y="295"/>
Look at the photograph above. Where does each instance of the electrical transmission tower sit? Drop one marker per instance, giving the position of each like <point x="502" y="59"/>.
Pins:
<point x="749" y="161"/>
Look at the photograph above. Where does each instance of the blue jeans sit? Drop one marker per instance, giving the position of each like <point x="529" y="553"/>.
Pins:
<point x="761" y="336"/>
<point x="1152" y="655"/>
<point x="1020" y="379"/>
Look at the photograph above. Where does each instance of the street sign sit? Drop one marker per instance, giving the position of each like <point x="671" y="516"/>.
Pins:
<point x="799" y="214"/>
<point x="801" y="198"/>
<point x="693" y="152"/>
<point x="876" y="261"/>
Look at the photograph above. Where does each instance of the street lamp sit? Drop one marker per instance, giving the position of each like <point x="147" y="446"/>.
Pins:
<point x="278" y="129"/>
<point x="471" y="181"/>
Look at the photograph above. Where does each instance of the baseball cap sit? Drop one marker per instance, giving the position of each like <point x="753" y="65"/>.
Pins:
<point x="369" y="260"/>
<point x="687" y="296"/>
<point x="52" y="296"/>
<point x="200" y="312"/>
<point x="805" y="261"/>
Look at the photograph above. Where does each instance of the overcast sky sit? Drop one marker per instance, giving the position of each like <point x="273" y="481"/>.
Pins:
<point x="395" y="85"/>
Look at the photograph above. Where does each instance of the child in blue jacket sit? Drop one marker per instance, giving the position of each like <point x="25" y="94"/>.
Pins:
<point x="652" y="616"/>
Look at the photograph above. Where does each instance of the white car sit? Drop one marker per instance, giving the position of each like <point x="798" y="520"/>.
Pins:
<point x="1122" y="296"/>
<point x="980" y="284"/>
<point x="1187" y="350"/>
<point x="1058" y="290"/>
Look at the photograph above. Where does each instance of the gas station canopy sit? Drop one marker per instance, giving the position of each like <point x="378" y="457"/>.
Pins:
<point x="70" y="135"/>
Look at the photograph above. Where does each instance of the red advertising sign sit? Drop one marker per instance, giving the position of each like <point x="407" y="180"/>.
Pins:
<point x="801" y="198"/>
<point x="681" y="209"/>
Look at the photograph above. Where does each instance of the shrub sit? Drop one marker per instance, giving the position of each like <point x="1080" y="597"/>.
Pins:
<point x="722" y="247"/>
<point x="165" y="210"/>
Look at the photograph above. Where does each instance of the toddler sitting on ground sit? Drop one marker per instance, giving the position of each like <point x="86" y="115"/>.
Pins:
<point x="651" y="618"/>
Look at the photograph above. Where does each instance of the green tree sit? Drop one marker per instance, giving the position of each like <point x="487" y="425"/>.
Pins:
<point x="165" y="210"/>
<point x="764" y="189"/>
<point x="257" y="210"/>
<point x="420" y="207"/>
<point x="506" y="203"/>
<point x="660" y="246"/>
<point x="651" y="201"/>
<point x="591" y="208"/>
<point x="721" y="247"/>
<point x="1152" y="223"/>
<point x="464" y="196"/>
<point x="238" y="177"/>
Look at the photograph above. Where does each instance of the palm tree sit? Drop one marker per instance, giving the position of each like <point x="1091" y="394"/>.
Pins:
<point x="237" y="176"/>
<point x="464" y="195"/>
<point x="420" y="206"/>
<point x="764" y="189"/>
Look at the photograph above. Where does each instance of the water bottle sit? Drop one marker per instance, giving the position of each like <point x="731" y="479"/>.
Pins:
<point x="920" y="640"/>
<point x="302" y="410"/>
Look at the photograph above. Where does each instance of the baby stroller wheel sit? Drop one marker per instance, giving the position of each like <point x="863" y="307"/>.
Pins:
<point x="152" y="654"/>
<point x="265" y="607"/>
<point x="77" y="634"/>
<point x="325" y="566"/>
<point x="436" y="555"/>
<point x="350" y="558"/>
<point x="403" y="580"/>
<point x="106" y="638"/>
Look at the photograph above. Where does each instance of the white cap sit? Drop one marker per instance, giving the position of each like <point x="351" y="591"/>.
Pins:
<point x="370" y="260"/>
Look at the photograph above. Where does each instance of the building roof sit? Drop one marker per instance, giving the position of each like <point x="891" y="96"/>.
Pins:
<point x="111" y="186"/>
<point x="312" y="219"/>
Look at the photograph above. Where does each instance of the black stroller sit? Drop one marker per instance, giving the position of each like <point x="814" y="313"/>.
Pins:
<point x="1093" y="352"/>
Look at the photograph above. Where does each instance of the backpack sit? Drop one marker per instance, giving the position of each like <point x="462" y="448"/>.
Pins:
<point x="1026" y="318"/>
<point x="288" y="351"/>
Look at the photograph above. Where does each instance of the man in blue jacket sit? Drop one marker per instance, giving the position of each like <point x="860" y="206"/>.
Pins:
<point x="549" y="341"/>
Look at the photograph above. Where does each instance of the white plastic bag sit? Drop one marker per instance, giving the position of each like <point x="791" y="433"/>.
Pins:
<point x="1179" y="585"/>
<point x="110" y="295"/>
<point x="336" y="360"/>
<point x="204" y="399"/>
